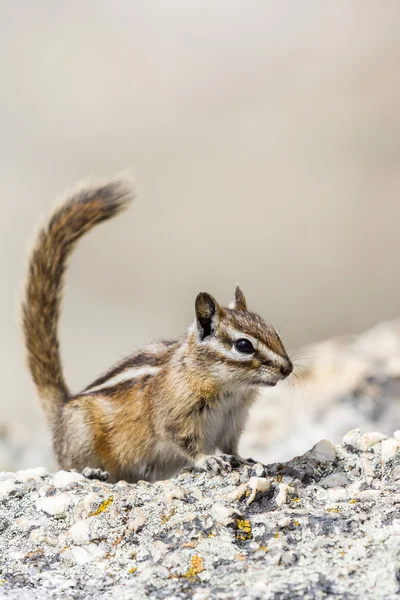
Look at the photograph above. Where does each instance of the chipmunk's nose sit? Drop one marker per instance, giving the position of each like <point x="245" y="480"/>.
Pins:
<point x="287" y="369"/>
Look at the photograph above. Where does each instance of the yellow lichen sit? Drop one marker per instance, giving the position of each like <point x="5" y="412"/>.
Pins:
<point x="166" y="517"/>
<point x="263" y="548"/>
<point x="2" y="582"/>
<point x="333" y="510"/>
<point x="196" y="567"/>
<point x="296" y="499"/>
<point x="103" y="507"/>
<point x="296" y="523"/>
<point x="132" y="570"/>
<point x="276" y="535"/>
<point x="353" y="501"/>
<point x="244" y="529"/>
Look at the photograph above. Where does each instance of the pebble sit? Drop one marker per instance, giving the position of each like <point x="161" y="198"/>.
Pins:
<point x="137" y="520"/>
<point x="258" y="469"/>
<point x="389" y="449"/>
<point x="351" y="437"/>
<point x="367" y="494"/>
<point x="337" y="493"/>
<point x="367" y="440"/>
<point x="257" y="485"/>
<point x="223" y="514"/>
<point x="54" y="505"/>
<point x="7" y="487"/>
<point x="367" y="466"/>
<point x="201" y="595"/>
<point x="31" y="474"/>
<point x="172" y="492"/>
<point x="288" y="558"/>
<point x="284" y="522"/>
<point x="80" y="531"/>
<point x="84" y="555"/>
<point x="64" y="478"/>
<point x="334" y="480"/>
<point x="396" y="473"/>
<point x="87" y="503"/>
<point x="282" y="494"/>
<point x="324" y="451"/>
<point x="238" y="492"/>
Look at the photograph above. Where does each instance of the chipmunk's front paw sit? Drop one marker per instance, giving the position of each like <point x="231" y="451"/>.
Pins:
<point x="214" y="465"/>
<point x="237" y="461"/>
<point x="95" y="474"/>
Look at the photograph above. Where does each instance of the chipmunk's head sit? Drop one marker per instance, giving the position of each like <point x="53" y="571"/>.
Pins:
<point x="236" y="345"/>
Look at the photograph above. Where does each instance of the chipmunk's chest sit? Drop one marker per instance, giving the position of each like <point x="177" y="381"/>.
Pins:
<point x="226" y="419"/>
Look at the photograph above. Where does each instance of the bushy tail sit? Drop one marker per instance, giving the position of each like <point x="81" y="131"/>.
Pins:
<point x="42" y="296"/>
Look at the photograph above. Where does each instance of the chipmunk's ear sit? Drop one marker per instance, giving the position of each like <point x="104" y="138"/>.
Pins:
<point x="239" y="302"/>
<point x="207" y="310"/>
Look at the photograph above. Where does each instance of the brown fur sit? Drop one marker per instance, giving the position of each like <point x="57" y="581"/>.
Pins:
<point x="171" y="405"/>
<point x="41" y="305"/>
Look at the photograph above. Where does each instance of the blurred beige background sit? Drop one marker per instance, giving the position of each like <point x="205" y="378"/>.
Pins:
<point x="265" y="141"/>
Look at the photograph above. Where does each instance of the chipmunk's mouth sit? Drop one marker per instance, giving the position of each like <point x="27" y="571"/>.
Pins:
<point x="261" y="383"/>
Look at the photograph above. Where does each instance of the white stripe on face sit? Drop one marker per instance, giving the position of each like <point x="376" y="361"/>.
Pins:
<point x="126" y="375"/>
<point x="235" y="334"/>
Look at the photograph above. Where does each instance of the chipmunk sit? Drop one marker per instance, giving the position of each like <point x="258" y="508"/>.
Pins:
<point x="166" y="407"/>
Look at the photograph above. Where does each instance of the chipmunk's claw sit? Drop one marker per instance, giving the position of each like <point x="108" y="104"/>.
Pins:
<point x="90" y="473"/>
<point x="213" y="465"/>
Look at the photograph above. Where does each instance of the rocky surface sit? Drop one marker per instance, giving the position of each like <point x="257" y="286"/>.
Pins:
<point x="324" y="524"/>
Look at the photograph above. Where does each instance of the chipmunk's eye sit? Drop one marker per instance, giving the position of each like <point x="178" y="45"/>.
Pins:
<point x="244" y="346"/>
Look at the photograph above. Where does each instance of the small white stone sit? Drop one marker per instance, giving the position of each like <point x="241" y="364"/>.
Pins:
<point x="334" y="480"/>
<point x="80" y="555"/>
<point x="137" y="520"/>
<point x="80" y="531"/>
<point x="396" y="473"/>
<point x="37" y="536"/>
<point x="202" y="595"/>
<point x="367" y="466"/>
<point x="258" y="469"/>
<point x="196" y="492"/>
<point x="222" y="513"/>
<point x="7" y="486"/>
<point x="281" y="497"/>
<point x="64" y="478"/>
<point x="142" y="554"/>
<point x="54" y="505"/>
<point x="324" y="451"/>
<point x="158" y="550"/>
<point x="31" y="474"/>
<point x="337" y="493"/>
<point x="88" y="502"/>
<point x="367" y="494"/>
<point x="321" y="494"/>
<point x="239" y="492"/>
<point x="173" y="491"/>
<point x="284" y="522"/>
<point x="257" y="484"/>
<point x="351" y="437"/>
<point x="353" y="488"/>
<point x="389" y="449"/>
<point x="367" y="440"/>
